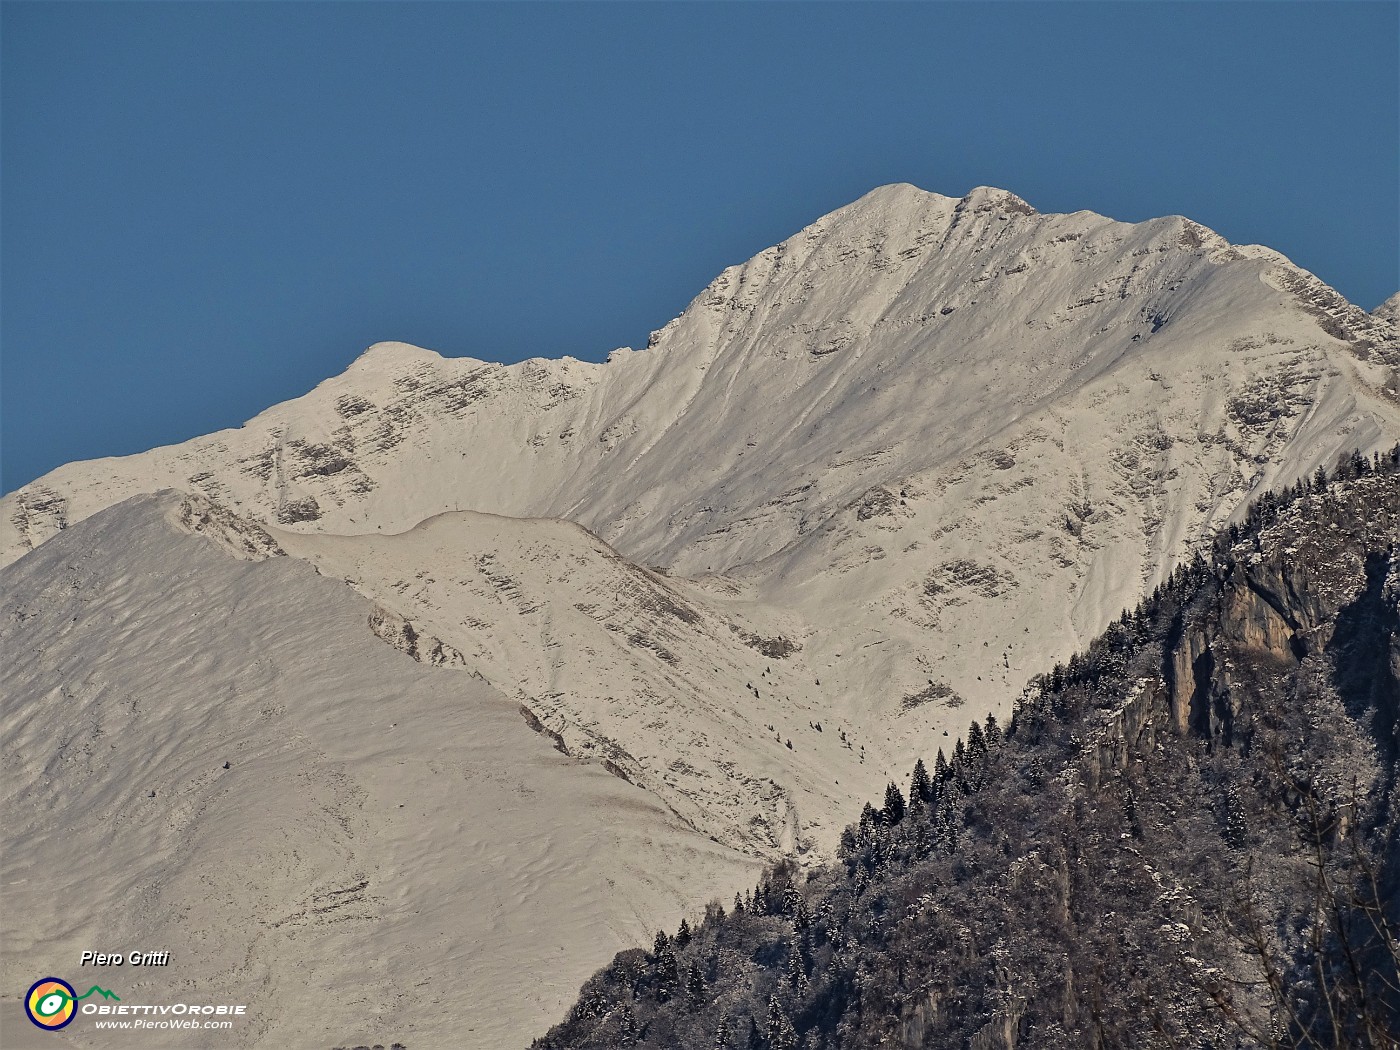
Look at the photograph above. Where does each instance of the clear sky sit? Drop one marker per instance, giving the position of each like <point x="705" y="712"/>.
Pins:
<point x="208" y="208"/>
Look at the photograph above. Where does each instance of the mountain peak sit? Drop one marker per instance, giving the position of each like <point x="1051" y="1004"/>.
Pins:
<point x="387" y="355"/>
<point x="891" y="200"/>
<point x="991" y="198"/>
<point x="1389" y="310"/>
<point x="904" y="198"/>
<point x="895" y="192"/>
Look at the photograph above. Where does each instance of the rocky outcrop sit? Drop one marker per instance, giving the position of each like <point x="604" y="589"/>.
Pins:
<point x="239" y="536"/>
<point x="1294" y="598"/>
<point x="1300" y="593"/>
<point x="405" y="637"/>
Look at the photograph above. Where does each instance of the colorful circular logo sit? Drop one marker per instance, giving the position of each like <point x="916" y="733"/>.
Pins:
<point x="50" y="1003"/>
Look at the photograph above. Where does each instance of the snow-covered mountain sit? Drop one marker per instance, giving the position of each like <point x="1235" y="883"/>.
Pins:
<point x="863" y="487"/>
<point x="934" y="443"/>
<point x="206" y="751"/>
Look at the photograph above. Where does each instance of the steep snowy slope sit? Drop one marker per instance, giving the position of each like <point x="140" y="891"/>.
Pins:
<point x="936" y="443"/>
<point x="390" y="854"/>
<point x="695" y="693"/>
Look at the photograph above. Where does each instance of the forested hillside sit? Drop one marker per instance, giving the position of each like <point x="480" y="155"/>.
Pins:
<point x="1185" y="837"/>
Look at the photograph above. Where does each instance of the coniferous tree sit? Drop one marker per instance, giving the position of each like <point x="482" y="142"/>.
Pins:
<point x="722" y="1039"/>
<point x="994" y="734"/>
<point x="948" y="823"/>
<point x="695" y="987"/>
<point x="627" y="1027"/>
<point x="869" y="821"/>
<point x="1035" y="774"/>
<point x="772" y="900"/>
<point x="917" y="808"/>
<point x="847" y="846"/>
<point x="683" y="934"/>
<point x="665" y="967"/>
<point x="797" y="971"/>
<point x="791" y="899"/>
<point x="781" y="1034"/>
<point x="920" y="786"/>
<point x="976" y="743"/>
<point x="801" y="917"/>
<point x="894" y="804"/>
<point x="940" y="766"/>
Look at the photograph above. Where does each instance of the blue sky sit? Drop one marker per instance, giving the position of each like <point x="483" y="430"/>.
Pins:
<point x="208" y="208"/>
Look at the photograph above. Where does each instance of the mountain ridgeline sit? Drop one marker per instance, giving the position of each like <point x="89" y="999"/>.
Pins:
<point x="1186" y="836"/>
<point x="525" y="658"/>
<point x="824" y="494"/>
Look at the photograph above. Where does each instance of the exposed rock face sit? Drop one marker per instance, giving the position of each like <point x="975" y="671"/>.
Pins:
<point x="1304" y="596"/>
<point x="237" y="535"/>
<point x="1300" y="597"/>
<point x="405" y="637"/>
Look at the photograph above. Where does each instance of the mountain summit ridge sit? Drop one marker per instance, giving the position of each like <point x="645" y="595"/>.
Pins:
<point x="872" y="441"/>
<point x="861" y="489"/>
<point x="890" y="201"/>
